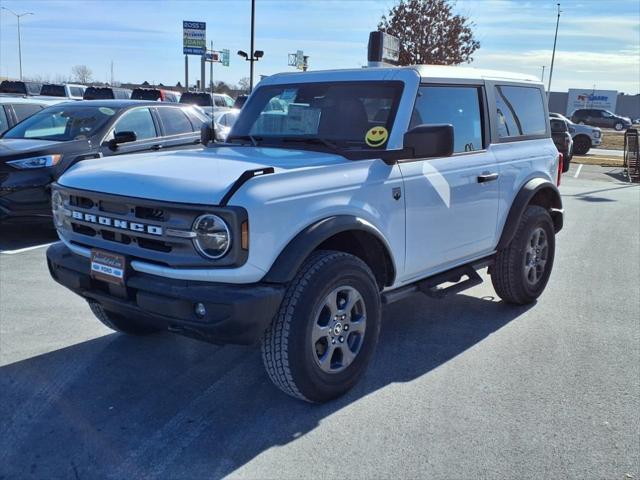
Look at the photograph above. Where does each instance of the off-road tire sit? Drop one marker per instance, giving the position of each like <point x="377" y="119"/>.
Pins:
<point x="287" y="350"/>
<point x="581" y="145"/>
<point x="508" y="272"/>
<point x="119" y="323"/>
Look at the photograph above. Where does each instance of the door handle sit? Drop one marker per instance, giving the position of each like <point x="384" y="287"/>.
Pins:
<point x="156" y="147"/>
<point x="487" y="177"/>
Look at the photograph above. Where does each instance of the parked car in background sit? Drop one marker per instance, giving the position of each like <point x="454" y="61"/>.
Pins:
<point x="562" y="140"/>
<point x="155" y="94"/>
<point x="36" y="152"/>
<point x="14" y="109"/>
<point x="106" y="93"/>
<point x="19" y="87"/>
<point x="67" y="90"/>
<point x="599" y="117"/>
<point x="223" y="121"/>
<point x="240" y="101"/>
<point x="584" y="136"/>
<point x="210" y="103"/>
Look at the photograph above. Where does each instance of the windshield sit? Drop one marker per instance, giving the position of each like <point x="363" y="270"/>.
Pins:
<point x="63" y="123"/>
<point x="341" y="114"/>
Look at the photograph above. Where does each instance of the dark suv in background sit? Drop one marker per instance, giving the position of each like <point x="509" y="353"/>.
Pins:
<point x="562" y="139"/>
<point x="599" y="117"/>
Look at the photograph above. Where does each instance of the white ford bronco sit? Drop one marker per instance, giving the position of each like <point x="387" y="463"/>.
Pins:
<point x="335" y="193"/>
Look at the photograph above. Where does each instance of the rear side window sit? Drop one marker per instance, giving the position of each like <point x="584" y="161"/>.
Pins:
<point x="76" y="91"/>
<point x="458" y="106"/>
<point x="558" y="125"/>
<point x="4" y="123"/>
<point x="53" y="91"/>
<point x="520" y="111"/>
<point x="174" y="121"/>
<point x="25" y="110"/>
<point x="138" y="121"/>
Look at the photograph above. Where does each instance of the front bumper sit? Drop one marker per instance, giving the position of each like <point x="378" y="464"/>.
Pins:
<point x="235" y="313"/>
<point x="25" y="193"/>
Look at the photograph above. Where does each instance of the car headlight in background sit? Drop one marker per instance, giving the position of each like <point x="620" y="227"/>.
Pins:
<point x="36" y="162"/>
<point x="60" y="214"/>
<point x="213" y="238"/>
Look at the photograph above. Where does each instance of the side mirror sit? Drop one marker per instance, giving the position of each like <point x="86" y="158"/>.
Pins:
<point x="122" y="137"/>
<point x="428" y="141"/>
<point x="206" y="134"/>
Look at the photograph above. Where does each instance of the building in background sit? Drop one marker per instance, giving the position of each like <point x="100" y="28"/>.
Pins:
<point x="618" y="103"/>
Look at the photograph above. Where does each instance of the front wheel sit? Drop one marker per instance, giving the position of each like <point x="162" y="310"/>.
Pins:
<point x="522" y="269"/>
<point x="618" y="126"/>
<point x="581" y="145"/>
<point x="326" y="331"/>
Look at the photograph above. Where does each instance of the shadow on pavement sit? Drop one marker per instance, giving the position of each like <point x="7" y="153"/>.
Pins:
<point x="169" y="407"/>
<point x="14" y="236"/>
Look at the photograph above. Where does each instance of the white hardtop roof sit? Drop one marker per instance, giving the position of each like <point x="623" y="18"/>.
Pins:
<point x="388" y="72"/>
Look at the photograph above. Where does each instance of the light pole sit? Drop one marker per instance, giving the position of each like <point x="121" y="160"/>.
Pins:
<point x="553" y="55"/>
<point x="18" y="16"/>
<point x="253" y="55"/>
<point x="543" y="67"/>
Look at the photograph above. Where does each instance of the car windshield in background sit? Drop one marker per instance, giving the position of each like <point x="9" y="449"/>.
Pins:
<point x="341" y="115"/>
<point x="63" y="124"/>
<point x="200" y="99"/>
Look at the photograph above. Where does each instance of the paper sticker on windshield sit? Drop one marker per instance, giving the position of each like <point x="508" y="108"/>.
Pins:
<point x="107" y="111"/>
<point x="376" y="136"/>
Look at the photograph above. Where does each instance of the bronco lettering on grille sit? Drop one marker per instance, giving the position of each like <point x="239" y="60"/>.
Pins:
<point x="117" y="223"/>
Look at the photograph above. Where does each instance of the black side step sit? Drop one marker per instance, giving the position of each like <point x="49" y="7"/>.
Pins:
<point x="431" y="286"/>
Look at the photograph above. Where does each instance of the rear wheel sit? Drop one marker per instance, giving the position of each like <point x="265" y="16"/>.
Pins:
<point x="522" y="269"/>
<point x="326" y="330"/>
<point x="119" y="323"/>
<point x="581" y="145"/>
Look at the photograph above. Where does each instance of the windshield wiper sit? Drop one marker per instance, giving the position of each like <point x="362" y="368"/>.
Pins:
<point x="311" y="141"/>
<point x="251" y="138"/>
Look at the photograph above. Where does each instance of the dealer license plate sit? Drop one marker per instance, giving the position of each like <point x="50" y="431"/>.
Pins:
<point x="108" y="267"/>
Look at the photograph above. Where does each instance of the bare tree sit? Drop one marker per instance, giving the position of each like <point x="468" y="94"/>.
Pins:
<point x="81" y="73"/>
<point x="243" y="84"/>
<point x="430" y="33"/>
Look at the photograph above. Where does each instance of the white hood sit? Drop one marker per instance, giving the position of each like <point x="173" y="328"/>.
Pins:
<point x="185" y="176"/>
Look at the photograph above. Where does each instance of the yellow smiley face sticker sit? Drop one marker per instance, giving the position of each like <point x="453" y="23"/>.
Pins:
<point x="376" y="136"/>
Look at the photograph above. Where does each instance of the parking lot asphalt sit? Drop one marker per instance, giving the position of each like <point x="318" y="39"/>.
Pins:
<point x="465" y="387"/>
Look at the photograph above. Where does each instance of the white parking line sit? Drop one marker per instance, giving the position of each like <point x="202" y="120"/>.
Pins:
<point x="26" y="249"/>
<point x="578" y="171"/>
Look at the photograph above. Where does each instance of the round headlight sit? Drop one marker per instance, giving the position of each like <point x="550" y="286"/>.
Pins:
<point x="57" y="208"/>
<point x="213" y="238"/>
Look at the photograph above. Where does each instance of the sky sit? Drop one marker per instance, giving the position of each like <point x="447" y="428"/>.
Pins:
<point x="598" y="40"/>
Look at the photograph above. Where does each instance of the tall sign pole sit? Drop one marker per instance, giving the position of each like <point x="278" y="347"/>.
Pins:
<point x="211" y="73"/>
<point x="553" y="55"/>
<point x="186" y="73"/>
<point x="253" y="30"/>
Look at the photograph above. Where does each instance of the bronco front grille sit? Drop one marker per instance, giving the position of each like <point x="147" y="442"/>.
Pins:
<point x="135" y="227"/>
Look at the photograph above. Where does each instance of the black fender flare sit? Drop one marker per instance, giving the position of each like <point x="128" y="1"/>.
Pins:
<point x="541" y="192"/>
<point x="300" y="247"/>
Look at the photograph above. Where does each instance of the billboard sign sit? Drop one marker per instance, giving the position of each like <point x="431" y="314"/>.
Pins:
<point x="194" y="38"/>
<point x="578" y="98"/>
